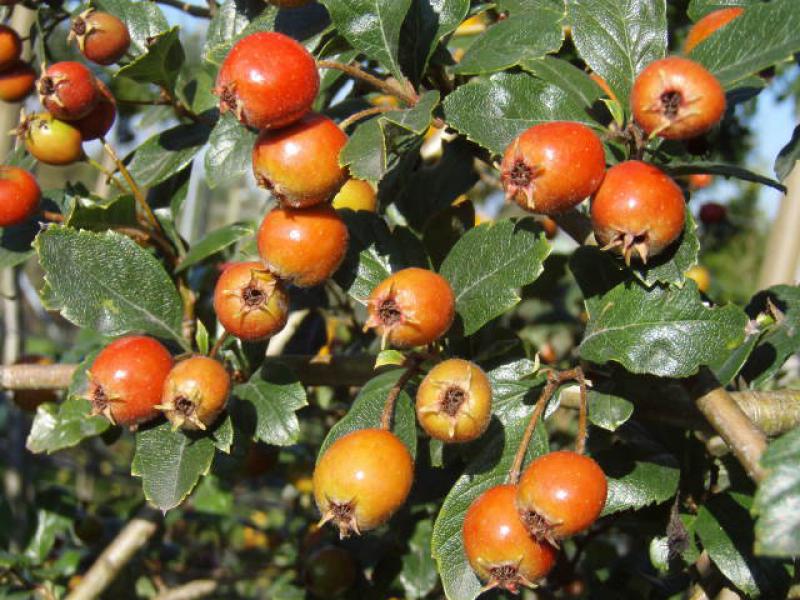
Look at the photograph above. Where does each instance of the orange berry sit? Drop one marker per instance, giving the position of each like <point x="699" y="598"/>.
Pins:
<point x="17" y="81"/>
<point x="195" y="392"/>
<point x="10" y="47"/>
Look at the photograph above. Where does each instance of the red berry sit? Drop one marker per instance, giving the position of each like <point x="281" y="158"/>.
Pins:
<point x="331" y="571"/>
<point x="498" y="546"/>
<point x="303" y="246"/>
<point x="19" y="195"/>
<point x="17" y="81"/>
<point x="250" y="302"/>
<point x="561" y="494"/>
<point x="709" y="24"/>
<point x="51" y="141"/>
<point x="102" y="38"/>
<point x="300" y="163"/>
<point x="362" y="479"/>
<point x="713" y="213"/>
<point x="454" y="401"/>
<point x="638" y="208"/>
<point x="68" y="90"/>
<point x="195" y="392"/>
<point x="10" y="47"/>
<point x="267" y="80"/>
<point x="126" y="379"/>
<point x="677" y="99"/>
<point x="552" y="167"/>
<point x="700" y="180"/>
<point x="98" y="122"/>
<point x="412" y="307"/>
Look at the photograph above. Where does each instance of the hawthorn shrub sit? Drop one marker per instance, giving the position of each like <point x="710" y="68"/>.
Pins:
<point x="595" y="358"/>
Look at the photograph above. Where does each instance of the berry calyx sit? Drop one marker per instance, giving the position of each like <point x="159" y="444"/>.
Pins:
<point x="638" y="209"/>
<point x="499" y="548"/>
<point x="709" y="24"/>
<point x="713" y="213"/>
<point x="303" y="246"/>
<point x="454" y="401"/>
<point x="10" y="47"/>
<point x="250" y="302"/>
<point x="561" y="494"/>
<point x="195" y="393"/>
<point x="19" y="195"/>
<point x="126" y="379"/>
<point x="677" y="99"/>
<point x="331" y="571"/>
<point x="68" y="90"/>
<point x="102" y="38"/>
<point x="299" y="164"/>
<point x="362" y="479"/>
<point x="552" y="167"/>
<point x="267" y="80"/>
<point x="412" y="307"/>
<point x="101" y="118"/>
<point x="49" y="140"/>
<point x="17" y="81"/>
<point x="356" y="194"/>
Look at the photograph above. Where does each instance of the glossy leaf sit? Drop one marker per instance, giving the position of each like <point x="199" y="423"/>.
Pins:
<point x="161" y="64"/>
<point x="166" y="153"/>
<point x="215" y="241"/>
<point x="229" y="152"/>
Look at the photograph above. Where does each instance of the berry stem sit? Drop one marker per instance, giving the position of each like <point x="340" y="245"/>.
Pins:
<point x="109" y="175"/>
<point x="218" y="344"/>
<point x="580" y="440"/>
<point x="188" y="298"/>
<point x="412" y="366"/>
<point x="358" y="73"/>
<point x="363" y="114"/>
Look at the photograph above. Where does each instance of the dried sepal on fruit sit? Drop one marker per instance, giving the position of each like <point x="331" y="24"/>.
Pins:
<point x="250" y="302"/>
<point x="68" y="90"/>
<point x="454" y="401"/>
<point x="362" y="479"/>
<point x="195" y="393"/>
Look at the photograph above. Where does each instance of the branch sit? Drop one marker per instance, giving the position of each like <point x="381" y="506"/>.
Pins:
<point x="116" y="555"/>
<point x="194" y="589"/>
<point x="189" y="9"/>
<point x="412" y="366"/>
<point x="358" y="73"/>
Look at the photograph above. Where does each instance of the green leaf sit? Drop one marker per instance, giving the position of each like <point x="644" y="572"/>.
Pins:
<point x="100" y="214"/>
<point x="222" y="433"/>
<point x="212" y="497"/>
<point x="201" y="337"/>
<point x="144" y="20"/>
<point x="526" y="35"/>
<point x="608" y="411"/>
<point x="170" y="463"/>
<point x="725" y="528"/>
<point x="788" y="156"/>
<point x="215" y="241"/>
<point x="662" y="331"/>
<point x="106" y="282"/>
<point x="371" y="26"/>
<point x="723" y="170"/>
<point x="366" y="411"/>
<point x="15" y="243"/>
<point x="781" y="339"/>
<point x="700" y="8"/>
<point x="63" y="425"/>
<point x="489" y="264"/>
<point x="166" y="153"/>
<point x="374" y="253"/>
<point x="271" y="398"/>
<point x="765" y="34"/>
<point x="426" y="23"/>
<point x="671" y="265"/>
<point x="418" y="575"/>
<point x="229" y="151"/>
<point x="618" y="38"/>
<point x="493" y="111"/>
<point x="564" y="75"/>
<point x="161" y="64"/>
<point x="777" y="531"/>
<point x="49" y="525"/>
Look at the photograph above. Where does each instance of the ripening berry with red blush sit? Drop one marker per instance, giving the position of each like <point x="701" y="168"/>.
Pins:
<point x="709" y="24"/>
<point x="638" y="209"/>
<point x="195" y="393"/>
<point x="68" y="90"/>
<point x="17" y="81"/>
<point x="303" y="246"/>
<point x="552" y="167"/>
<point x="713" y="213"/>
<point x="267" y="80"/>
<point x="102" y="38"/>
<point x="100" y="120"/>
<point x="561" y="494"/>
<point x="677" y="99"/>
<point x="10" y="47"/>
<point x="362" y="479"/>
<point x="454" y="401"/>
<point x="412" y="307"/>
<point x="250" y="302"/>
<point x="299" y="164"/>
<point x="498" y="546"/>
<point x="19" y="195"/>
<point x="50" y="140"/>
<point x="126" y="379"/>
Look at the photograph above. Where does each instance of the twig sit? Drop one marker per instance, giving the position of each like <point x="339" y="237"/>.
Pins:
<point x="412" y="366"/>
<point x="116" y="555"/>
<point x="189" y="9"/>
<point x="218" y="344"/>
<point x="109" y="175"/>
<point x="580" y="440"/>
<point x="358" y="73"/>
<point x="189" y="591"/>
<point x="363" y="114"/>
<point x="188" y="299"/>
<point x="137" y="193"/>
